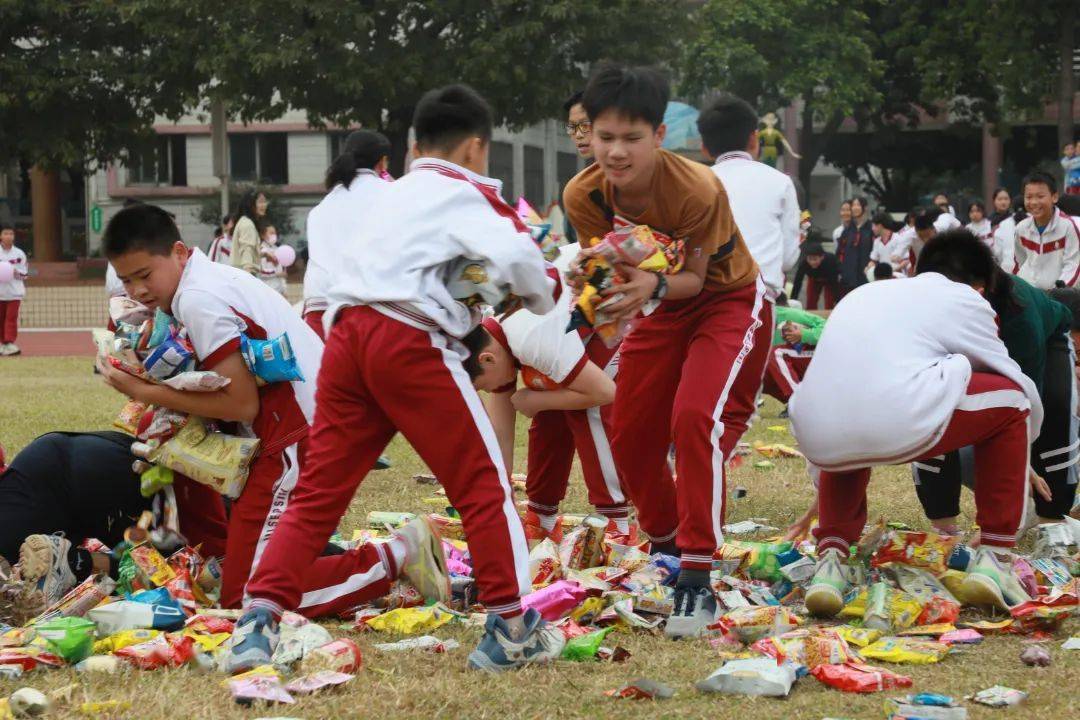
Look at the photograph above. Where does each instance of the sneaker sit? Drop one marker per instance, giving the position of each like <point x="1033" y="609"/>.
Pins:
<point x="1053" y="540"/>
<point x="695" y="610"/>
<point x="990" y="582"/>
<point x="253" y="641"/>
<point x="425" y="563"/>
<point x="825" y="594"/>
<point x="535" y="532"/>
<point x="542" y="643"/>
<point x="43" y="559"/>
<point x="13" y="349"/>
<point x="5" y="349"/>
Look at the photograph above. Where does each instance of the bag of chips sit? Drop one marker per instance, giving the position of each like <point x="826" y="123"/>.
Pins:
<point x="859" y="678"/>
<point x="929" y="551"/>
<point x="271" y="360"/>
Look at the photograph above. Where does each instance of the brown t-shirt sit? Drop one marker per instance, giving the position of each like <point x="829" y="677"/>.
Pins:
<point x="688" y="203"/>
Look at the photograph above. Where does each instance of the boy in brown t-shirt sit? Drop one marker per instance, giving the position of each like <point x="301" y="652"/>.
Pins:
<point x="691" y="369"/>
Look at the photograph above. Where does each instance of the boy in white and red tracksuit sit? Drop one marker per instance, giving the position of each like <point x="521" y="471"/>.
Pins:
<point x="1047" y="246"/>
<point x="393" y="362"/>
<point x="216" y="304"/>
<point x="564" y="386"/>
<point x="353" y="176"/>
<point x="689" y="371"/>
<point x="939" y="380"/>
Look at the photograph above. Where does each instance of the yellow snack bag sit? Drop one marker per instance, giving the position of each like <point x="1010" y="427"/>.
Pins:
<point x="860" y="637"/>
<point x="211" y="458"/>
<point x="263" y="671"/>
<point x="905" y="650"/>
<point x="123" y="639"/>
<point x="207" y="643"/>
<point x="409" y="621"/>
<point x="929" y="630"/>
<point x="591" y="608"/>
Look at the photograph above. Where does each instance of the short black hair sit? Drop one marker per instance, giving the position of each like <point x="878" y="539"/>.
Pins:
<point x="885" y="220"/>
<point x="363" y="149"/>
<point x="925" y="220"/>
<point x="638" y="93"/>
<point x="961" y="257"/>
<point x="1040" y="178"/>
<point x="225" y="219"/>
<point x="883" y="271"/>
<point x="977" y="204"/>
<point x="812" y="247"/>
<point x="446" y="116"/>
<point x="726" y="124"/>
<point x="475" y="342"/>
<point x="570" y="102"/>
<point x="6" y="226"/>
<point x="1070" y="298"/>
<point x="140" y="227"/>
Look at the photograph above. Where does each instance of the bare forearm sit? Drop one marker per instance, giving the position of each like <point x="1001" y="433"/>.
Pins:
<point x="218" y="405"/>
<point x="566" y="399"/>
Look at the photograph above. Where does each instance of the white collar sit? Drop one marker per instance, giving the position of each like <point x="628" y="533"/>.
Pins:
<point x="734" y="155"/>
<point x="431" y="163"/>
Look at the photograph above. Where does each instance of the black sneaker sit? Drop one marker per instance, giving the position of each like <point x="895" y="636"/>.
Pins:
<point x="695" y="610"/>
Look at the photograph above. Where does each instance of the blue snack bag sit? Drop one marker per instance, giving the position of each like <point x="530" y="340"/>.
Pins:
<point x="173" y="356"/>
<point x="271" y="360"/>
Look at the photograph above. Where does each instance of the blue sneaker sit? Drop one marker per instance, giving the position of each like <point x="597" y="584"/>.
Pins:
<point x="253" y="641"/>
<point x="542" y="643"/>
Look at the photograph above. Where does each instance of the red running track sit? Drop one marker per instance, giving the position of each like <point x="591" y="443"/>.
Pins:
<point x="55" y="343"/>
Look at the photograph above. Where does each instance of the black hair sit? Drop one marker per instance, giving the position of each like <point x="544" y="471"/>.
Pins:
<point x="883" y="271"/>
<point x="475" y="342"/>
<point x="246" y="208"/>
<point x="925" y="220"/>
<point x="977" y="204"/>
<point x="6" y="226"/>
<point x="1040" y="178"/>
<point x="885" y="220"/>
<point x="574" y="99"/>
<point x="1070" y="298"/>
<point x="363" y="149"/>
<point x="997" y="191"/>
<point x="782" y="300"/>
<point x="446" y="116"/>
<point x="225" y="219"/>
<point x="913" y="213"/>
<point x="812" y="247"/>
<point x="140" y="227"/>
<point x="726" y="124"/>
<point x="944" y="195"/>
<point x="961" y="257"/>
<point x="863" y="202"/>
<point x="638" y="93"/>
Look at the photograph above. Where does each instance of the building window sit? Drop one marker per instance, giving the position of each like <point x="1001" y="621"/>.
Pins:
<point x="501" y="166"/>
<point x="534" y="177"/>
<point x="566" y="167"/>
<point x="161" y="161"/>
<point x="337" y="142"/>
<point x="259" y="158"/>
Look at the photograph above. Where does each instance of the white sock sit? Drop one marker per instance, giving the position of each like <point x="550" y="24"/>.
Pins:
<point x="399" y="550"/>
<point x="622" y="524"/>
<point x="516" y="626"/>
<point x="547" y="521"/>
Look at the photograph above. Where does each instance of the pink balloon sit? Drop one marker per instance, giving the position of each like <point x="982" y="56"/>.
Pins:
<point x="286" y="255"/>
<point x="7" y="272"/>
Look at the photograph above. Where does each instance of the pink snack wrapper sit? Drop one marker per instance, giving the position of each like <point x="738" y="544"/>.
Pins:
<point x="317" y="681"/>
<point x="961" y="637"/>
<point x="268" y="689"/>
<point x="556" y="600"/>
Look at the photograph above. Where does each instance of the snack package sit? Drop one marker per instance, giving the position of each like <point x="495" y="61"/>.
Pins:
<point x="929" y="551"/>
<point x="757" y="676"/>
<point x="317" y="681"/>
<point x="271" y="360"/>
<point x="961" y="637"/>
<point x="246" y="691"/>
<point x="69" y="637"/>
<point x="123" y="615"/>
<point x="750" y="624"/>
<point x="642" y="689"/>
<point x="174" y="355"/>
<point x="585" y="647"/>
<point x="211" y="458"/>
<point x="154" y="479"/>
<point x="859" y="637"/>
<point x="162" y="651"/>
<point x="127" y="420"/>
<point x="556" y="600"/>
<point x="80" y="599"/>
<point x="764" y="563"/>
<point x="469" y="282"/>
<point x="123" y="639"/>
<point x="859" y="678"/>
<point x="926" y="706"/>
<point x="409" y="621"/>
<point x="296" y="642"/>
<point x="341" y="655"/>
<point x="151" y="570"/>
<point x="125" y="311"/>
<point x="633" y="245"/>
<point x="427" y="643"/>
<point x="913" y="651"/>
<point x="197" y="381"/>
<point x="209" y="624"/>
<point x="583" y="546"/>
<point x="999" y="696"/>
<point x="544" y="565"/>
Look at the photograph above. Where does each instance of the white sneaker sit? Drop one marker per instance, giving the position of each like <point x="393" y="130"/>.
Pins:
<point x="825" y="594"/>
<point x="425" y="563"/>
<point x="43" y="560"/>
<point x="6" y="349"/>
<point x="991" y="582"/>
<point x="13" y="349"/>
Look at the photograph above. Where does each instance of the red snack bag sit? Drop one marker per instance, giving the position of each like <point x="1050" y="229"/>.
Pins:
<point x="860" y="678"/>
<point x="209" y="624"/>
<point x="163" y="651"/>
<point x="917" y="549"/>
<point x="939" y="610"/>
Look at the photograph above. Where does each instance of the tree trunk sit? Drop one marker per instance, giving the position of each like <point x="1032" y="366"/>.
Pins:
<point x="45" y="199"/>
<point x="397" y="132"/>
<point x="1066" y="84"/>
<point x="807" y="148"/>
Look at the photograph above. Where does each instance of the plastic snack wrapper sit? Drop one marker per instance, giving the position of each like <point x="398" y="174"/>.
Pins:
<point x="556" y="600"/>
<point x="999" y="696"/>
<point x="426" y="643"/>
<point x="929" y="551"/>
<point x="151" y="570"/>
<point x="174" y="355"/>
<point x="163" y="651"/>
<point x="642" y="689"/>
<point x="69" y="637"/>
<point x="271" y="360"/>
<point x="925" y="706"/>
<point x="315" y="682"/>
<point x="764" y="562"/>
<point x="1035" y="656"/>
<point x="246" y="691"/>
<point x="296" y="642"/>
<point x="544" y="565"/>
<point x="197" y="381"/>
<point x="125" y="311"/>
<point x="341" y="655"/>
<point x="123" y="615"/>
<point x="585" y="647"/>
<point x="211" y="458"/>
<point x="912" y="651"/>
<point x="966" y="636"/>
<point x="750" y="624"/>
<point x="859" y="678"/>
<point x="123" y="639"/>
<point x="756" y="676"/>
<point x="634" y="245"/>
<point x="583" y="546"/>
<point x="127" y="420"/>
<point x="80" y="599"/>
<point x="409" y="621"/>
<point x="859" y="637"/>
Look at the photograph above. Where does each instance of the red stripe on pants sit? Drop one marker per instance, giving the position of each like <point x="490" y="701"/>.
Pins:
<point x="689" y="372"/>
<point x="784" y="371"/>
<point x="9" y="320"/>
<point x="380" y="376"/>
<point x="314" y="321"/>
<point x="1000" y="437"/>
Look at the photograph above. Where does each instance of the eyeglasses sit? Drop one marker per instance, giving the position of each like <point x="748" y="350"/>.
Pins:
<point x="582" y="127"/>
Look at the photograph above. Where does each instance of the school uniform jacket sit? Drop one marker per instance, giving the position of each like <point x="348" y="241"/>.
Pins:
<point x="1043" y="258"/>
<point x="892" y="365"/>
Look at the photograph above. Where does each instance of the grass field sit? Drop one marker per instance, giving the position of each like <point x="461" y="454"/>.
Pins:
<point x="39" y="395"/>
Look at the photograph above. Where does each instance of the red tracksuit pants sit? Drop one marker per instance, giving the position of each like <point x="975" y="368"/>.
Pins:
<point x="689" y="372"/>
<point x="992" y="417"/>
<point x="9" y="320"/>
<point x="380" y="376"/>
<point x="553" y="437"/>
<point x="813" y="294"/>
<point x="784" y="370"/>
<point x="314" y="320"/>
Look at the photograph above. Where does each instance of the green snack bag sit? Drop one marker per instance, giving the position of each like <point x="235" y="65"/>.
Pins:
<point x="72" y="638"/>
<point x="584" y="647"/>
<point x="764" y="565"/>
<point x="125" y="572"/>
<point x="154" y="479"/>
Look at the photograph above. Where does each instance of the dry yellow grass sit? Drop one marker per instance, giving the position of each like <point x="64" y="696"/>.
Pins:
<point x="61" y="394"/>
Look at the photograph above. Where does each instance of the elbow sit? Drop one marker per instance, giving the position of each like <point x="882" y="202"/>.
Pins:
<point x="243" y="412"/>
<point x="605" y="394"/>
